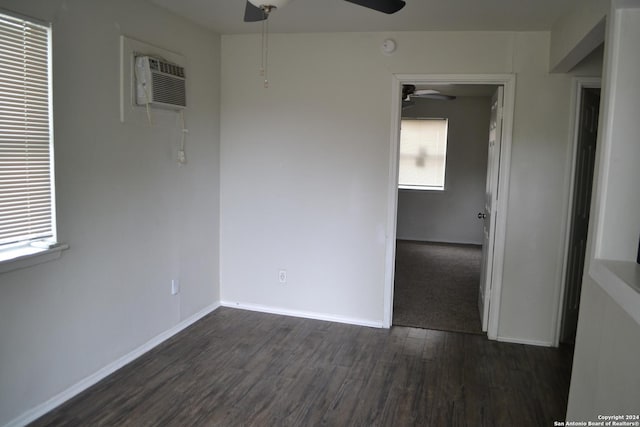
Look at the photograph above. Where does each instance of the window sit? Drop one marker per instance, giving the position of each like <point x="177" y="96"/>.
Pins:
<point x="26" y="140"/>
<point x="423" y="154"/>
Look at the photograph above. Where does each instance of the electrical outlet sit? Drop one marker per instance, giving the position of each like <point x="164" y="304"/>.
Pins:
<point x="175" y="286"/>
<point x="282" y="276"/>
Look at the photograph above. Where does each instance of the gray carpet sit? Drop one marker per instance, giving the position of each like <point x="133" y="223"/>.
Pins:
<point x="436" y="286"/>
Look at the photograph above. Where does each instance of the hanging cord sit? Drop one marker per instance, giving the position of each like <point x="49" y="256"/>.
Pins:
<point x="265" y="51"/>
<point x="262" y="70"/>
<point x="148" y="112"/>
<point x="182" y="155"/>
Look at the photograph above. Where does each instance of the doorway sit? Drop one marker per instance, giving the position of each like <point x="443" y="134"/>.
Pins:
<point x="495" y="248"/>
<point x="442" y="176"/>
<point x="588" y="94"/>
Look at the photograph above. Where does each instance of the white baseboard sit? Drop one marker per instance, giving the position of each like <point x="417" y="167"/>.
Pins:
<point x="527" y="342"/>
<point x="57" y="400"/>
<point x="436" y="241"/>
<point x="303" y="314"/>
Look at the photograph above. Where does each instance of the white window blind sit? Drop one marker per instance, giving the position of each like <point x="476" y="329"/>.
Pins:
<point x="26" y="185"/>
<point x="423" y="154"/>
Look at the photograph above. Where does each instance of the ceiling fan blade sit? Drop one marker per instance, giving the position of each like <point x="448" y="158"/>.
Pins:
<point x="437" y="96"/>
<point x="420" y="92"/>
<point x="253" y="13"/>
<point x="385" y="6"/>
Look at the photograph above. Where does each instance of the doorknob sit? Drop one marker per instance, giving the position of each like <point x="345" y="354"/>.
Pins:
<point x="481" y="215"/>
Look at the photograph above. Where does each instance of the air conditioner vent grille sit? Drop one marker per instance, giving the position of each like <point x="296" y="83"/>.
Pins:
<point x="169" y="90"/>
<point x="160" y="83"/>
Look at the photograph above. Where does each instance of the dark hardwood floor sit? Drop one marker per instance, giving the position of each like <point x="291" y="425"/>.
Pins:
<point x="237" y="368"/>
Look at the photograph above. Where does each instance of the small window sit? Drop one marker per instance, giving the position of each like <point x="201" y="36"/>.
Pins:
<point x="26" y="141"/>
<point x="423" y="154"/>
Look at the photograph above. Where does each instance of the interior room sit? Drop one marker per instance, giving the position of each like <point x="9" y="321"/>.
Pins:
<point x="440" y="229"/>
<point x="259" y="220"/>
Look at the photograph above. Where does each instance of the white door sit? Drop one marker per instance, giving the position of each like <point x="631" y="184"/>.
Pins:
<point x="489" y="214"/>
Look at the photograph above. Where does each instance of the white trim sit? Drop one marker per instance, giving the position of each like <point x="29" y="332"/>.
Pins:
<point x="605" y="129"/>
<point x="29" y="256"/>
<point x="509" y="83"/>
<point x="579" y="83"/>
<point x="303" y="314"/>
<point x="607" y="124"/>
<point x="525" y="342"/>
<point x="392" y="201"/>
<point x="60" y="398"/>
<point x="436" y="189"/>
<point x="619" y="279"/>
<point x="504" y="173"/>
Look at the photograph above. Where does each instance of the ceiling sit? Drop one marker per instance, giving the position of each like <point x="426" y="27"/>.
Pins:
<point x="309" y="16"/>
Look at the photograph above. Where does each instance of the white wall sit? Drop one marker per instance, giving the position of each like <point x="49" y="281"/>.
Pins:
<point x="606" y="378"/>
<point x="451" y="215"/>
<point x="537" y="206"/>
<point x="134" y="219"/>
<point x="576" y="34"/>
<point x="304" y="169"/>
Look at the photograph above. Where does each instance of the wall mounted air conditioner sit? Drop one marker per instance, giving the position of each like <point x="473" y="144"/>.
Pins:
<point x="159" y="83"/>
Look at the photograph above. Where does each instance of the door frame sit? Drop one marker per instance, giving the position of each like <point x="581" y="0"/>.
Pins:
<point x="579" y="83"/>
<point x="509" y="83"/>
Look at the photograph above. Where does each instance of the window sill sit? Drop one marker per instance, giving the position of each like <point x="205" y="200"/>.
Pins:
<point x="27" y="256"/>
<point x="621" y="280"/>
<point x="420" y="188"/>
